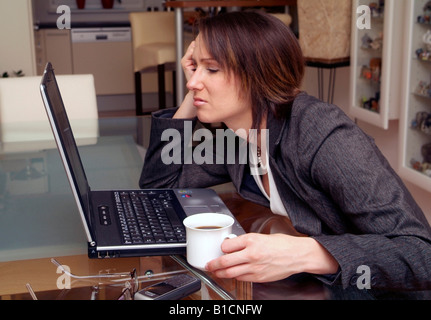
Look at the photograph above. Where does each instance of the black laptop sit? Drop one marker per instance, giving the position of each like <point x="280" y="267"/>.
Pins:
<point x="124" y="223"/>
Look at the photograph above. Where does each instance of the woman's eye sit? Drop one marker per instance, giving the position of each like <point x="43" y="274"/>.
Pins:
<point x="213" y="70"/>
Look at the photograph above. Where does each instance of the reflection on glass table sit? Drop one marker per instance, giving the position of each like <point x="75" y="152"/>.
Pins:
<point x="39" y="218"/>
<point x="107" y="279"/>
<point x="35" y="196"/>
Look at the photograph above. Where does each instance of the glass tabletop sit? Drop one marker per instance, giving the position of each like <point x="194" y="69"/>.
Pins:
<point x="38" y="214"/>
<point x="39" y="218"/>
<point x="32" y="176"/>
<point x="104" y="279"/>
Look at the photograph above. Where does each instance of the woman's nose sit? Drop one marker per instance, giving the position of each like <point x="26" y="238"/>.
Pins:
<point x="195" y="82"/>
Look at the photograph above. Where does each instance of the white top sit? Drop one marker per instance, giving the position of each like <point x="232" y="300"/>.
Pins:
<point x="276" y="204"/>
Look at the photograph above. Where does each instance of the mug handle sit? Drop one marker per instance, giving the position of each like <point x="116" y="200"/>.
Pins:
<point x="231" y="236"/>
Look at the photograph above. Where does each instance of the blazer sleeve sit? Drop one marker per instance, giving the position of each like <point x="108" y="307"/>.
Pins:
<point x="169" y="160"/>
<point x="374" y="219"/>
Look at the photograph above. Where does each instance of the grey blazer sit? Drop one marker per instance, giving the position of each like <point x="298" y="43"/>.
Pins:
<point x="336" y="186"/>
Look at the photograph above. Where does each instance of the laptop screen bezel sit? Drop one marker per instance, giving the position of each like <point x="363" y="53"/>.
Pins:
<point x="49" y="87"/>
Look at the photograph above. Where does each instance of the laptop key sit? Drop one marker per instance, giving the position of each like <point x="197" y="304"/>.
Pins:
<point x="160" y="239"/>
<point x="148" y="218"/>
<point x="148" y="240"/>
<point x="172" y="239"/>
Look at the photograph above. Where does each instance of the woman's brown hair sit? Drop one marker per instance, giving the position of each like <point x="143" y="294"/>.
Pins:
<point x="263" y="52"/>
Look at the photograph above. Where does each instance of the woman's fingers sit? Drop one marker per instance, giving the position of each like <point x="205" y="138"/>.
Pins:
<point x="187" y="61"/>
<point x="234" y="255"/>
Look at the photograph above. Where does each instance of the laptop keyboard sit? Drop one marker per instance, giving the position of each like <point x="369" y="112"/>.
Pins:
<point x="149" y="217"/>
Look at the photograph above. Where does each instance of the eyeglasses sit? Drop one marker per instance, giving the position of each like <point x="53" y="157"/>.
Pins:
<point x="128" y="280"/>
<point x="130" y="287"/>
<point x="116" y="275"/>
<point x="30" y="290"/>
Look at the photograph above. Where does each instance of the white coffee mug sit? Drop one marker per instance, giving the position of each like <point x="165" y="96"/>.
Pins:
<point x="205" y="233"/>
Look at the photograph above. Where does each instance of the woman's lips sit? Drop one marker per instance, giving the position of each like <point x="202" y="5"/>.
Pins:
<point x="197" y="102"/>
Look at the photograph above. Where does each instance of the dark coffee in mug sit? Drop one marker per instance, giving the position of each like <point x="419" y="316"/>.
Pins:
<point x="208" y="227"/>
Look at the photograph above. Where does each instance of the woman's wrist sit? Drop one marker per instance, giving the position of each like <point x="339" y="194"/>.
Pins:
<point x="187" y="110"/>
<point x="318" y="260"/>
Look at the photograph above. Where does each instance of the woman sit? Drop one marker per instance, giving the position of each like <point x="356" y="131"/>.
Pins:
<point x="245" y="69"/>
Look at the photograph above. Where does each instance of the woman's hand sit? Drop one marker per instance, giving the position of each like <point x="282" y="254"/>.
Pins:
<point x="187" y="110"/>
<point x="266" y="258"/>
<point x="187" y="61"/>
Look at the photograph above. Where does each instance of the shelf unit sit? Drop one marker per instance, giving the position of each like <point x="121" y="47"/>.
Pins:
<point x="416" y="70"/>
<point x="375" y="59"/>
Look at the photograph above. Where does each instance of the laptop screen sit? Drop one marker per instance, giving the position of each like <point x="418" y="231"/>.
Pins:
<point x="66" y="142"/>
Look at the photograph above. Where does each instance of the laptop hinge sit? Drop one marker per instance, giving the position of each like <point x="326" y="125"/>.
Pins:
<point x="92" y="241"/>
<point x="92" y="250"/>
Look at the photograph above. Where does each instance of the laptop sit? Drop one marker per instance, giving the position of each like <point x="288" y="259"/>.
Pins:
<point x="124" y="223"/>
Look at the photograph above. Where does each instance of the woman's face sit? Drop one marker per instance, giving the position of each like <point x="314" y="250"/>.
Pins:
<point x="216" y="92"/>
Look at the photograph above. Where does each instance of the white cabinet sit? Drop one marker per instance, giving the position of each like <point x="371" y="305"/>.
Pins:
<point x="110" y="61"/>
<point x="415" y="120"/>
<point x="107" y="54"/>
<point x="376" y="55"/>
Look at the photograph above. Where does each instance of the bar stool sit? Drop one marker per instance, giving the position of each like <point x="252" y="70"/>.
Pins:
<point x="153" y="38"/>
